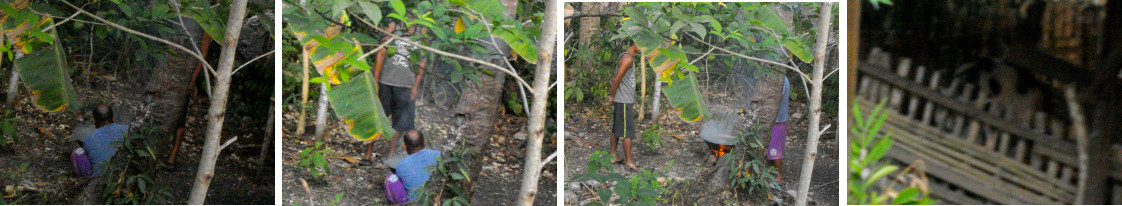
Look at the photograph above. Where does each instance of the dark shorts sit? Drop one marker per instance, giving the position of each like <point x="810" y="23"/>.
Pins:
<point x="623" y="120"/>
<point x="396" y="103"/>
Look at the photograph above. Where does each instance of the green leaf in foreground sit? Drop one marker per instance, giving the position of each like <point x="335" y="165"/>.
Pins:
<point x="356" y="101"/>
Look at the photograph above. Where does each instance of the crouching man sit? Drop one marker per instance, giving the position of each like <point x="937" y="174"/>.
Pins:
<point x="411" y="172"/>
<point x="98" y="145"/>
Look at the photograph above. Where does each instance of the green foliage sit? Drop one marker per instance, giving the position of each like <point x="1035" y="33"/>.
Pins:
<point x="600" y="160"/>
<point x="454" y="177"/>
<point x="651" y="137"/>
<point x="8" y="135"/>
<point x="685" y="95"/>
<point x="641" y="189"/>
<point x="338" y="31"/>
<point x="335" y="202"/>
<point x="513" y="104"/>
<point x="314" y="160"/>
<point x="18" y="173"/>
<point x="46" y="75"/>
<point x="866" y="148"/>
<point x="357" y="102"/>
<point x="132" y="171"/>
<point x="749" y="171"/>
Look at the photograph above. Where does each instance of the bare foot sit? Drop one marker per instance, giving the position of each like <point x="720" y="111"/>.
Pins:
<point x="632" y="166"/>
<point x="779" y="178"/>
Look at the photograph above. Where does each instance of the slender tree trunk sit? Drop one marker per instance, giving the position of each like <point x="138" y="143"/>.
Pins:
<point x="303" y="94"/>
<point x="643" y="85"/>
<point x="824" y="32"/>
<point x="532" y="170"/>
<point x="216" y="113"/>
<point x="321" y="113"/>
<point x="13" y="87"/>
<point x="268" y="137"/>
<point x="654" y="104"/>
<point x="13" y="83"/>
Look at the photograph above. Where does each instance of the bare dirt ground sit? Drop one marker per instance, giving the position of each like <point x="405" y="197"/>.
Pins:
<point x="361" y="182"/>
<point x="46" y="144"/>
<point x="588" y="129"/>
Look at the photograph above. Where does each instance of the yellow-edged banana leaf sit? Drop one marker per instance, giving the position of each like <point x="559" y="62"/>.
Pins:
<point x="356" y="101"/>
<point x="686" y="97"/>
<point x="44" y="72"/>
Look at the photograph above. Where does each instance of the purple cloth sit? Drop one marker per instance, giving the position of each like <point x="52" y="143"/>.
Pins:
<point x="395" y="190"/>
<point x="778" y="141"/>
<point x="81" y="162"/>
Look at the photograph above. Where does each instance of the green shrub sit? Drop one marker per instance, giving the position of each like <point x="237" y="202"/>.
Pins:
<point x="866" y="149"/>
<point x="651" y="137"/>
<point x="749" y="170"/>
<point x="642" y="189"/>
<point x="132" y="171"/>
<point x="314" y="160"/>
<point x="454" y="177"/>
<point x="8" y="135"/>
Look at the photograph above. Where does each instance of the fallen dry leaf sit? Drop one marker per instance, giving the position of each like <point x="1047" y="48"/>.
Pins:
<point x="680" y="137"/>
<point x="41" y="184"/>
<point x="352" y="160"/>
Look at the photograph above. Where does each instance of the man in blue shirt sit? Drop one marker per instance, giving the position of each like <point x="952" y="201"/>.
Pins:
<point x="411" y="171"/>
<point x="99" y="144"/>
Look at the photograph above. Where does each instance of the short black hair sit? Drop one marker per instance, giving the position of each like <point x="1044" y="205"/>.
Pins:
<point x="414" y="139"/>
<point x="103" y="114"/>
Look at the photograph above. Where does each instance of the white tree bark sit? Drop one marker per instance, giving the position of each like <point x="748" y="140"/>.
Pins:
<point x="321" y="113"/>
<point x="13" y="86"/>
<point x="532" y="169"/>
<point x="824" y="32"/>
<point x="217" y="111"/>
<point x="654" y="104"/>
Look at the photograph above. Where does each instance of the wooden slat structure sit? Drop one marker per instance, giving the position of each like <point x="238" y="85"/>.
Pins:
<point x="957" y="129"/>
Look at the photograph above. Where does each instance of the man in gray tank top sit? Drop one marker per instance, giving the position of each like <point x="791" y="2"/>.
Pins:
<point x="622" y="98"/>
<point x="398" y="83"/>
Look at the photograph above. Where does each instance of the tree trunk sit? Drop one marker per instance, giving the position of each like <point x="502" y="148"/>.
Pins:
<point x="654" y="104"/>
<point x="643" y="85"/>
<point x="217" y="111"/>
<point x="13" y="86"/>
<point x="823" y="35"/>
<point x="268" y="138"/>
<point x="532" y="170"/>
<point x="303" y="94"/>
<point x="321" y="113"/>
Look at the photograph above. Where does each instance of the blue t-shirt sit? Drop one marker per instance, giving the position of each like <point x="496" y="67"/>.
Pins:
<point x="99" y="144"/>
<point x="782" y="117"/>
<point x="412" y="170"/>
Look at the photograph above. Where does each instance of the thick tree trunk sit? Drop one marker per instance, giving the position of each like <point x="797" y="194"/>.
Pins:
<point x="321" y="113"/>
<point x="532" y="169"/>
<point x="824" y="32"/>
<point x="216" y="113"/>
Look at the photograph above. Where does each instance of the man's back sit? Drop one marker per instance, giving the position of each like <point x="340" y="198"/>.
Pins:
<point x="412" y="171"/>
<point x="99" y="144"/>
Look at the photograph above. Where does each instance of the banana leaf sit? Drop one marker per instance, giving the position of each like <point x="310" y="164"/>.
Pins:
<point x="44" y="72"/>
<point x="356" y="101"/>
<point x="686" y="97"/>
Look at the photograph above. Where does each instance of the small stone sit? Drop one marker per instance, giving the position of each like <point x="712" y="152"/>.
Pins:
<point x="572" y="186"/>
